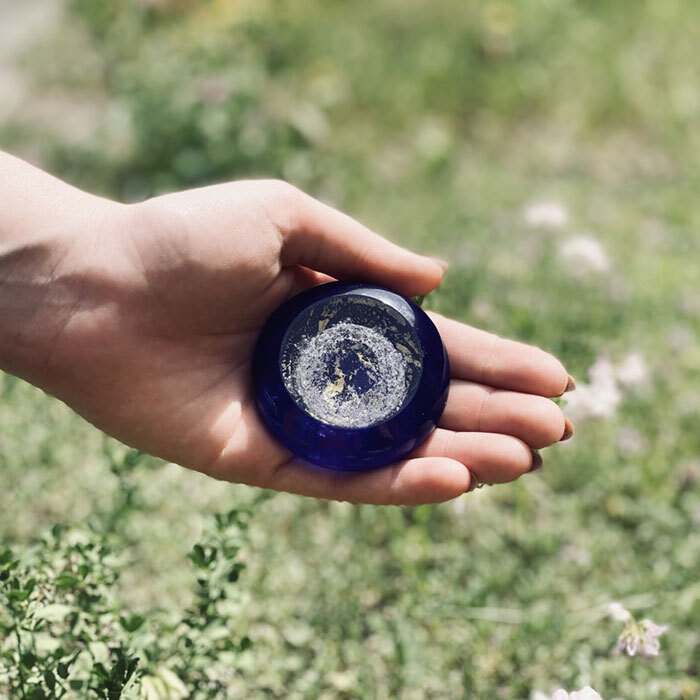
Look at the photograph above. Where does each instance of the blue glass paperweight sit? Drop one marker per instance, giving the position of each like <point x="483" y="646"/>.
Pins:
<point x="350" y="376"/>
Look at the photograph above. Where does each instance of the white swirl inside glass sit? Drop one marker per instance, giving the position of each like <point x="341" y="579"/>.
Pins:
<point x="326" y="376"/>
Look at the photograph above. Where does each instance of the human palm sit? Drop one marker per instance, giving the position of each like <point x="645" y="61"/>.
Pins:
<point x="156" y="346"/>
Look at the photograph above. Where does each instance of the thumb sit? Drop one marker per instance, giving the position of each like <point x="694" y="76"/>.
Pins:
<point x="323" y="239"/>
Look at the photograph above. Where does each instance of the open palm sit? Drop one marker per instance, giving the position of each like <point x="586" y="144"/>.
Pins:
<point x="157" y="346"/>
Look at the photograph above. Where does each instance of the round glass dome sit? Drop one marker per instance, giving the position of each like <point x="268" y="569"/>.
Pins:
<point x="350" y="376"/>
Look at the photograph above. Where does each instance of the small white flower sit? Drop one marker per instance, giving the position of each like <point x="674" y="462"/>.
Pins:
<point x="652" y="645"/>
<point x="597" y="399"/>
<point x="586" y="693"/>
<point x="632" y="372"/>
<point x="619" y="612"/>
<point x="546" y="215"/>
<point x="602" y="372"/>
<point x="640" y="639"/>
<point x="584" y="255"/>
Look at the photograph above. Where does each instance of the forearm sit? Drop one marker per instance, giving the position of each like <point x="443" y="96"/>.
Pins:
<point x="41" y="220"/>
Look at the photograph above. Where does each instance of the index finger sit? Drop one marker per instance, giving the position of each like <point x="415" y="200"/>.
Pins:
<point x="328" y="241"/>
<point x="483" y="357"/>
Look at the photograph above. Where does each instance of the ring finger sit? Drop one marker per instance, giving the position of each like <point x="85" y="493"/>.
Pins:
<point x="473" y="407"/>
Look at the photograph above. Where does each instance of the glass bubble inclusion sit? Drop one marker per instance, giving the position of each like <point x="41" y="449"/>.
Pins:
<point x="350" y="376"/>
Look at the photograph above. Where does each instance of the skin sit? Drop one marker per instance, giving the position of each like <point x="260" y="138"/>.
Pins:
<point x="143" y="319"/>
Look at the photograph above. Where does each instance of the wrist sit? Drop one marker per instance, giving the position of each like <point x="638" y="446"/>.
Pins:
<point x="49" y="236"/>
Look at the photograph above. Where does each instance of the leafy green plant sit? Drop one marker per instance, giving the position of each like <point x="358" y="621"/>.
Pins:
<point x="62" y="628"/>
<point x="67" y="635"/>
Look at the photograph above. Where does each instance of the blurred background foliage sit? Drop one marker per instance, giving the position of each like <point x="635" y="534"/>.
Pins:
<point x="549" y="150"/>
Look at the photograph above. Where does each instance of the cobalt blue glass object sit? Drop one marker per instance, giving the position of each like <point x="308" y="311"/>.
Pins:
<point x="350" y="376"/>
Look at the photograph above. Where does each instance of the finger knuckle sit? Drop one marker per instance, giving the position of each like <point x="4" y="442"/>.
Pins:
<point x="282" y="201"/>
<point x="282" y="188"/>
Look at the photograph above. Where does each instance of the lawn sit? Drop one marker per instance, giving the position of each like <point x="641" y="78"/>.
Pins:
<point x="549" y="150"/>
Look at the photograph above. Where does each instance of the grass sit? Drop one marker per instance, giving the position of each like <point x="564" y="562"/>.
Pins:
<point x="436" y="123"/>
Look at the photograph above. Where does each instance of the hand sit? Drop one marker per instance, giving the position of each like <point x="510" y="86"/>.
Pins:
<point x="155" y="309"/>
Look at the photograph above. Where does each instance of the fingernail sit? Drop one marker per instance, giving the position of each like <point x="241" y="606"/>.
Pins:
<point x="568" y="430"/>
<point x="442" y="263"/>
<point x="570" y="384"/>
<point x="536" y="461"/>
